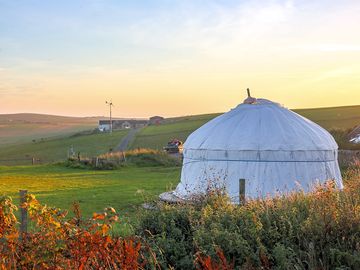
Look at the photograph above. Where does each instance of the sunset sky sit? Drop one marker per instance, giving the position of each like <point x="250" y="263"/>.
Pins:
<point x="176" y="57"/>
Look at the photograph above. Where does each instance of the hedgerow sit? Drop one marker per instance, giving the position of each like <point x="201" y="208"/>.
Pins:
<point x="320" y="230"/>
<point x="58" y="242"/>
<point x="114" y="160"/>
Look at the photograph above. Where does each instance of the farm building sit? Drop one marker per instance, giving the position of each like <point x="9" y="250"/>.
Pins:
<point x="156" y="120"/>
<point x="104" y="125"/>
<point x="274" y="149"/>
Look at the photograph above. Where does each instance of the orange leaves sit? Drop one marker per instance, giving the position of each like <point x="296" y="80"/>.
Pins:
<point x="130" y="251"/>
<point x="7" y="217"/>
<point x="60" y="243"/>
<point x="209" y="263"/>
<point x="97" y="216"/>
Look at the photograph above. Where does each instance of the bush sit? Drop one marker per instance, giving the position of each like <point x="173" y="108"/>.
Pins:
<point x="116" y="160"/>
<point x="320" y="230"/>
<point x="60" y="243"/>
<point x="151" y="158"/>
<point x="171" y="234"/>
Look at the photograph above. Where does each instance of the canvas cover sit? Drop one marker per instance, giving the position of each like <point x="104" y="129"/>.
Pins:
<point x="274" y="149"/>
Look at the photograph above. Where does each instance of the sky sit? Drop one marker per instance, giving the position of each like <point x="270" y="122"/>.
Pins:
<point x="176" y="57"/>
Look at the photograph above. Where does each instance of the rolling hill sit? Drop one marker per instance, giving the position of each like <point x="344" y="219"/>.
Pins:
<point x="26" y="127"/>
<point x="157" y="136"/>
<point x="53" y="150"/>
<point x="21" y="135"/>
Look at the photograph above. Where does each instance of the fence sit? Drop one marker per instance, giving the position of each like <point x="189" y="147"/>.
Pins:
<point x="20" y="161"/>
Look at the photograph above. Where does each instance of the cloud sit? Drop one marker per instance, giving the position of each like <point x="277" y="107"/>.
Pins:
<point x="331" y="47"/>
<point x="214" y="28"/>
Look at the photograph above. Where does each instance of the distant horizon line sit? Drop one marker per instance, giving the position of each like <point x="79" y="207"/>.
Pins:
<point x="174" y="116"/>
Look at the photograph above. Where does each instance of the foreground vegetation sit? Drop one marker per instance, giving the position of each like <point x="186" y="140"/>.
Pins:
<point x="320" y="230"/>
<point x="316" y="231"/>
<point x="65" y="243"/>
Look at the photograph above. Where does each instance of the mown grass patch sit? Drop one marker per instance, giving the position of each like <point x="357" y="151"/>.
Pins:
<point x="157" y="136"/>
<point x="55" y="185"/>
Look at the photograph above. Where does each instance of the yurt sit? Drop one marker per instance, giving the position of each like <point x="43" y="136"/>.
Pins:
<point x="275" y="150"/>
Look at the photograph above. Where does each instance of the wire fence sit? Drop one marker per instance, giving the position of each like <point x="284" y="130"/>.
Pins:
<point x="21" y="161"/>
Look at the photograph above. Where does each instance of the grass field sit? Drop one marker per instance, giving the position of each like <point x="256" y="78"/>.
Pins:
<point x="346" y="117"/>
<point x="157" y="136"/>
<point x="57" y="149"/>
<point x="59" y="186"/>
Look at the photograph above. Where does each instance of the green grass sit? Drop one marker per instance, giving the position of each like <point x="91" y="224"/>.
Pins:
<point x="157" y="136"/>
<point x="57" y="149"/>
<point x="55" y="185"/>
<point x="333" y="118"/>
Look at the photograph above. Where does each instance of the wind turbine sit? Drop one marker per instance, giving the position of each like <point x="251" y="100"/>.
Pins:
<point x="110" y="105"/>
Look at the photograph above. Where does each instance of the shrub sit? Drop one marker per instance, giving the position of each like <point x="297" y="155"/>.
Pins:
<point x="116" y="160"/>
<point x="60" y="243"/>
<point x="320" y="230"/>
<point x="170" y="233"/>
<point x="151" y="158"/>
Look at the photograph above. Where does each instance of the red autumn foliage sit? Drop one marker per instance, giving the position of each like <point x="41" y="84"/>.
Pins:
<point x="60" y="243"/>
<point x="208" y="263"/>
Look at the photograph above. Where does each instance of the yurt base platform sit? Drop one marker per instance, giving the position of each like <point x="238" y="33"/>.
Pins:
<point x="166" y="197"/>
<point x="170" y="197"/>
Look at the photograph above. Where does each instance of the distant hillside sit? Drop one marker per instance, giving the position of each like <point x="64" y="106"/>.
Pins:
<point x="25" y="127"/>
<point x="41" y="118"/>
<point x="181" y="127"/>
<point x="346" y="117"/>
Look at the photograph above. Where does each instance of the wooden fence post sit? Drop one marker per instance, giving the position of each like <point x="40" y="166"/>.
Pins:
<point x="23" y="212"/>
<point x="241" y="191"/>
<point x="33" y="161"/>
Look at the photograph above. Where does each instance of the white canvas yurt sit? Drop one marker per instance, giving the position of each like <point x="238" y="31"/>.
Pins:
<point x="274" y="149"/>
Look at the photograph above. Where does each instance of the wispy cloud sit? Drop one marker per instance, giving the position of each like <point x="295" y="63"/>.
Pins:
<point x="331" y="47"/>
<point x="339" y="72"/>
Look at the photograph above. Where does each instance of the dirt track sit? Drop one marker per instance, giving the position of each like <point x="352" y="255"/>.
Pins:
<point x="124" y="144"/>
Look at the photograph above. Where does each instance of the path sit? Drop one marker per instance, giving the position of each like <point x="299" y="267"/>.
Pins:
<point x="124" y="143"/>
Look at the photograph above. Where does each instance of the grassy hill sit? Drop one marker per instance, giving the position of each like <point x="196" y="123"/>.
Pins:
<point x="57" y="149"/>
<point x="157" y="136"/>
<point x="346" y="117"/>
<point x="25" y="127"/>
<point x="52" y="140"/>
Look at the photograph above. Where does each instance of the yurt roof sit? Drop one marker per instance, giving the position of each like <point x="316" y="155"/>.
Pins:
<point x="262" y="125"/>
